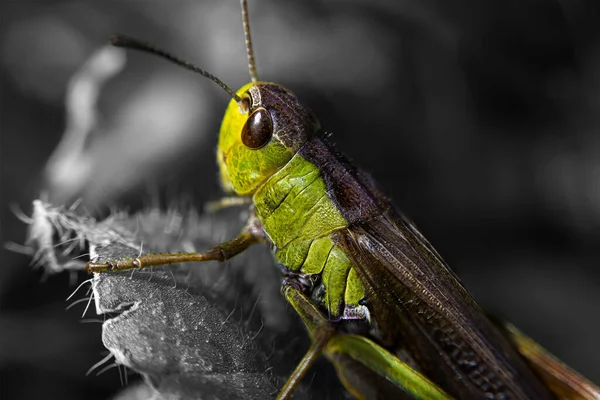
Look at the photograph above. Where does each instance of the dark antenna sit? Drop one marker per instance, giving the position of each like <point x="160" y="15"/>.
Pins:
<point x="129" y="43"/>
<point x="249" y="48"/>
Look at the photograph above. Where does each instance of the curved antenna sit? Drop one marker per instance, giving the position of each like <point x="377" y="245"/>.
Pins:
<point x="249" y="48"/>
<point x="129" y="43"/>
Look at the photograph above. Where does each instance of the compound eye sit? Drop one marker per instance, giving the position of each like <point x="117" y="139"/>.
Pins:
<point x="258" y="129"/>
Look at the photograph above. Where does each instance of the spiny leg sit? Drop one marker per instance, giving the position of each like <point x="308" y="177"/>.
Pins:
<point x="311" y="315"/>
<point x="221" y="252"/>
<point x="313" y="353"/>
<point x="227" y="202"/>
<point x="358" y="348"/>
<point x="320" y="329"/>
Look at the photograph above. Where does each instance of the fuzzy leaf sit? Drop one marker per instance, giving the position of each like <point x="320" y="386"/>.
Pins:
<point x="193" y="331"/>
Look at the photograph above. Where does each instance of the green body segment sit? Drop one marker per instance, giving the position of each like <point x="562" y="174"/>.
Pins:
<point x="298" y="216"/>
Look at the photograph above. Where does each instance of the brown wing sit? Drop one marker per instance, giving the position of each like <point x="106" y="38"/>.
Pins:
<point x="418" y="304"/>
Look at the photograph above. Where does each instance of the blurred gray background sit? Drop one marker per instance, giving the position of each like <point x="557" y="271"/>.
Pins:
<point x="479" y="118"/>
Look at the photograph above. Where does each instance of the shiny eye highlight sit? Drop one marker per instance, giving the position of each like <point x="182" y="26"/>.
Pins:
<point x="258" y="129"/>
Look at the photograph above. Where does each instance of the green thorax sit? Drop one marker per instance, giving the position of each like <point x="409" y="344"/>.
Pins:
<point x="298" y="215"/>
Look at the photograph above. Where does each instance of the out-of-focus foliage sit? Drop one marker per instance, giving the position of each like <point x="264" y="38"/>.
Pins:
<point x="478" y="118"/>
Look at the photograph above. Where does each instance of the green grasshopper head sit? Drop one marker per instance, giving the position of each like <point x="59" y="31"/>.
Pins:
<point x="260" y="134"/>
<point x="263" y="127"/>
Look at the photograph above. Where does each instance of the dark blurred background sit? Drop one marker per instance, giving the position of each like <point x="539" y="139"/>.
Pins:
<point x="479" y="118"/>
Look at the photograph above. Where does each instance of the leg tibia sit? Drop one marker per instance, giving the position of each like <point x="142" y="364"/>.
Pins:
<point x="221" y="252"/>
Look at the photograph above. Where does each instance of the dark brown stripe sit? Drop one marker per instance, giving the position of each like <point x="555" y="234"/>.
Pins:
<point x="351" y="190"/>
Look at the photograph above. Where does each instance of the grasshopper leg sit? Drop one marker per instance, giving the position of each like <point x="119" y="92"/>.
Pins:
<point x="564" y="382"/>
<point x="227" y="202"/>
<point x="337" y="346"/>
<point x="320" y="329"/>
<point x="250" y="235"/>
<point x="319" y="342"/>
